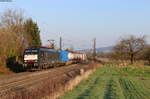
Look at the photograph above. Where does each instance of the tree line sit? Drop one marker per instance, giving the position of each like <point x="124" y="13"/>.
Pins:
<point x="16" y="34"/>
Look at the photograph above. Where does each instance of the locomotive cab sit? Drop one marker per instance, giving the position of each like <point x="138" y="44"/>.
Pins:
<point x="30" y="58"/>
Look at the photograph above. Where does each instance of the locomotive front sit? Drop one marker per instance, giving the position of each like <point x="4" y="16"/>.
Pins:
<point x="30" y="58"/>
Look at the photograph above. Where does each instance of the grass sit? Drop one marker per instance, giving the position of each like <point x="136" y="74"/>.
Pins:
<point x="114" y="83"/>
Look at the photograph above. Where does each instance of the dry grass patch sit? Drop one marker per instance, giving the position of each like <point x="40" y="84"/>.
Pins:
<point x="52" y="88"/>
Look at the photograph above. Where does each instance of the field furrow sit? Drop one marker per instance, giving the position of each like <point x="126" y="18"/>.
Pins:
<point x="132" y="90"/>
<point x="113" y="83"/>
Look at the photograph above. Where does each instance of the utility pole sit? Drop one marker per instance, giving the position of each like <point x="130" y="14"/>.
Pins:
<point x="60" y="43"/>
<point x="94" y="49"/>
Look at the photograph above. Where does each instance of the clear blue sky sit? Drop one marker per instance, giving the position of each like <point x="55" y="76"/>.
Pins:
<point x="79" y="21"/>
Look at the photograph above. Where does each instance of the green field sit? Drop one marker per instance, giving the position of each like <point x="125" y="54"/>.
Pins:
<point x="114" y="83"/>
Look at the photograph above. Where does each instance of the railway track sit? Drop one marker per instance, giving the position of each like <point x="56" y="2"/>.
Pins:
<point x="26" y="80"/>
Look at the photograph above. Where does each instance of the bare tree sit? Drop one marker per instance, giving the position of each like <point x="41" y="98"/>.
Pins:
<point x="11" y="18"/>
<point x="13" y="22"/>
<point x="130" y="47"/>
<point x="12" y="34"/>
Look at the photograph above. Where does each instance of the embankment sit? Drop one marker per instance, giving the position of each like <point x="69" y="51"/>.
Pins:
<point x="53" y="87"/>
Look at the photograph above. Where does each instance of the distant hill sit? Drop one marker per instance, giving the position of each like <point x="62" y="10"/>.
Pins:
<point x="102" y="49"/>
<point x="105" y="49"/>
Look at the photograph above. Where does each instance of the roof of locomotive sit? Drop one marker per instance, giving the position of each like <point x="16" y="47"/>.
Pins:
<point x="42" y="49"/>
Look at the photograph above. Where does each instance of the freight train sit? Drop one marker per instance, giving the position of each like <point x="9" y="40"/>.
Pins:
<point x="43" y="58"/>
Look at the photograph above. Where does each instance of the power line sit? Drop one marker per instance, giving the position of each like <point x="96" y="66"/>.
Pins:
<point x="52" y="43"/>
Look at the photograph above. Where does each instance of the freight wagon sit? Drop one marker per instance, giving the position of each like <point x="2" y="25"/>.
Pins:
<point x="77" y="57"/>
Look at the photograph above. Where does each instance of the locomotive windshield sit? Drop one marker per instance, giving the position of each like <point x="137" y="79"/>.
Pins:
<point x="31" y="51"/>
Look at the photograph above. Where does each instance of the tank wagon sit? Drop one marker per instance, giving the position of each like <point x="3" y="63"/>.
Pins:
<point x="77" y="57"/>
<point x="42" y="58"/>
